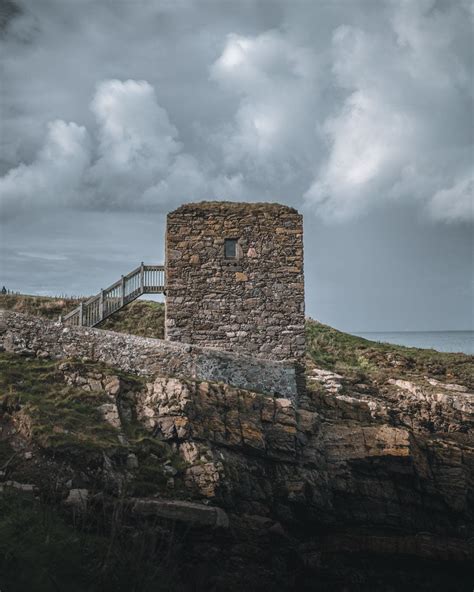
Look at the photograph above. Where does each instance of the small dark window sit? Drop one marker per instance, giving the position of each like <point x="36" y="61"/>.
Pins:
<point x="230" y="248"/>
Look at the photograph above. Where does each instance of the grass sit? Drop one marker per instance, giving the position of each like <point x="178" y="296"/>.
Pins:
<point x="358" y="357"/>
<point x="41" y="306"/>
<point x="42" y="549"/>
<point x="64" y="422"/>
<point x="58" y="414"/>
<point x="141" y="317"/>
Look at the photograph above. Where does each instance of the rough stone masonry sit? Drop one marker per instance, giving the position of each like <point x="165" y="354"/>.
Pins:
<point x="234" y="278"/>
<point x="34" y="336"/>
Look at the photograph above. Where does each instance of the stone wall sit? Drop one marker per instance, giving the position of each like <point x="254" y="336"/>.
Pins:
<point x="43" y="338"/>
<point x="252" y="303"/>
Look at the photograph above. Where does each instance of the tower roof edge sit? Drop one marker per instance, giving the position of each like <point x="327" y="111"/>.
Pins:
<point x="231" y="206"/>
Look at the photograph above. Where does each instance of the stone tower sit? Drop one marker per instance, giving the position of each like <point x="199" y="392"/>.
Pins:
<point x="234" y="278"/>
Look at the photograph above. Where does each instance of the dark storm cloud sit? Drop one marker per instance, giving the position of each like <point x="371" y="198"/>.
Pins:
<point x="95" y="93"/>
<point x="349" y="111"/>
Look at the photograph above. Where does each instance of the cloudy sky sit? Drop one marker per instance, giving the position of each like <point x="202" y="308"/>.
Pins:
<point x="357" y="112"/>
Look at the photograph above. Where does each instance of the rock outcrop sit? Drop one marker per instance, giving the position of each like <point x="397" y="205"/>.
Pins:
<point x="358" y="485"/>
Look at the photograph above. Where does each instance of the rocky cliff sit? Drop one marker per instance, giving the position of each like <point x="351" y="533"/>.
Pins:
<point x="176" y="483"/>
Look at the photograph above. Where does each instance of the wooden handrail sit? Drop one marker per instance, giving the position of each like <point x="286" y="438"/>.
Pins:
<point x="130" y="287"/>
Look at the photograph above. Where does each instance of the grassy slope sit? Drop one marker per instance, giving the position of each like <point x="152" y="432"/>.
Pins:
<point x="60" y="414"/>
<point x="350" y="355"/>
<point x="42" y="306"/>
<point x="141" y="317"/>
<point x="64" y="420"/>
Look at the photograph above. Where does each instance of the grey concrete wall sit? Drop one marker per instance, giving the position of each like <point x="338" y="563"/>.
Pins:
<point x="40" y="337"/>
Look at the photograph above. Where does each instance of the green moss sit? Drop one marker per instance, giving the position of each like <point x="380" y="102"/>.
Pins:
<point x="150" y="477"/>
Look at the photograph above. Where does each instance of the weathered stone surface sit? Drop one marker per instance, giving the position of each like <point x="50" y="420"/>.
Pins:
<point x="145" y="356"/>
<point x="192" y="513"/>
<point x="337" y="461"/>
<point x="110" y="414"/>
<point x="15" y="485"/>
<point x="331" y="381"/>
<point x="194" y="415"/>
<point x="253" y="303"/>
<point x="77" y="498"/>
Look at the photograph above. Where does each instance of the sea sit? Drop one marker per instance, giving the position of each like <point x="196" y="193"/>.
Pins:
<point x="443" y="341"/>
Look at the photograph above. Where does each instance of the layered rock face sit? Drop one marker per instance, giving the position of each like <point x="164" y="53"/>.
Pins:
<point x="337" y="492"/>
<point x="246" y="296"/>
<point x="341" y="476"/>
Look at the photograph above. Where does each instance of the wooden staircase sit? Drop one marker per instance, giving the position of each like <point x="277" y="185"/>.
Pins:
<point x="145" y="279"/>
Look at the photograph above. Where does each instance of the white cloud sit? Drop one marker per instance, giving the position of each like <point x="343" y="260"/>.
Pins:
<point x="455" y="203"/>
<point x="276" y="84"/>
<point x="55" y="176"/>
<point x="270" y="111"/>
<point x="136" y="142"/>
<point x="366" y="156"/>
<point x="133" y="128"/>
<point x="251" y="64"/>
<point x="400" y="133"/>
<point x="134" y="160"/>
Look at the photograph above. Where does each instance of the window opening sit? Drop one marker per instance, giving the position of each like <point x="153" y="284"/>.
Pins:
<point x="230" y="248"/>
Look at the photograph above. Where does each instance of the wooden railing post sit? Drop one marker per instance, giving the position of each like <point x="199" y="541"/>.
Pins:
<point x="142" y="278"/>
<point x="122" y="294"/>
<point x="81" y="313"/>
<point x="101" y="304"/>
